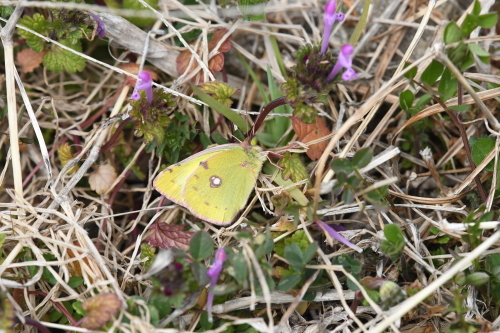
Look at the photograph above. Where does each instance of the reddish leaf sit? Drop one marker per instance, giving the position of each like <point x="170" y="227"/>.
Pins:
<point x="216" y="37"/>
<point x="29" y="60"/>
<point x="310" y="132"/>
<point x="215" y="63"/>
<point x="100" y="309"/>
<point x="166" y="236"/>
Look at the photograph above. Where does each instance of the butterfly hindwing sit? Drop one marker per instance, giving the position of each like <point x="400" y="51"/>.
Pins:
<point x="214" y="184"/>
<point x="221" y="185"/>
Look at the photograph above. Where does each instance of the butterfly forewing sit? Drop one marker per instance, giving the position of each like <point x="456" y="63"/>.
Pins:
<point x="172" y="180"/>
<point x="222" y="183"/>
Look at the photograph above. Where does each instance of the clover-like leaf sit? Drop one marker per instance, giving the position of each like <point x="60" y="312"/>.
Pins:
<point x="293" y="167"/>
<point x="166" y="236"/>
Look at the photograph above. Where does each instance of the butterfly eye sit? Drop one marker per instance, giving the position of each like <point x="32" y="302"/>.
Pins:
<point x="215" y="181"/>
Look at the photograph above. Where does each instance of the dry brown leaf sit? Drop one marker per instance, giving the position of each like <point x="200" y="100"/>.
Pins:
<point x="101" y="179"/>
<point x="310" y="132"/>
<point x="100" y="309"/>
<point x="29" y="60"/>
<point x="215" y="63"/>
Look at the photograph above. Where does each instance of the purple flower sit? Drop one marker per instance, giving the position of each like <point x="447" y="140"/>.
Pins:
<point x="329" y="19"/>
<point x="325" y="227"/>
<point x="344" y="61"/>
<point x="144" y="83"/>
<point x="213" y="273"/>
<point x="101" y="30"/>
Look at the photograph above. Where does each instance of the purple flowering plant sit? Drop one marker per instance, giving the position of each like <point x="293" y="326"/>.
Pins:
<point x="317" y="69"/>
<point x="150" y="110"/>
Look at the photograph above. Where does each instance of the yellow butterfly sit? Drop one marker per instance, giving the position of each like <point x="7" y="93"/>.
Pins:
<point x="214" y="184"/>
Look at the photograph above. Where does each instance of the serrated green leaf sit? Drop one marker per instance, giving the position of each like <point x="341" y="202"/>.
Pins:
<point x="293" y="167"/>
<point x="58" y="59"/>
<point x="363" y="157"/>
<point x="36" y="23"/>
<point x="452" y="33"/>
<point x="432" y="72"/>
<point x="220" y="91"/>
<point x="488" y="21"/>
<point x="201" y="245"/>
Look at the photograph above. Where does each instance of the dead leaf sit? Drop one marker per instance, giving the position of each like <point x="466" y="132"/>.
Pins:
<point x="166" y="236"/>
<point x="215" y="63"/>
<point x="100" y="309"/>
<point x="310" y="132"/>
<point x="29" y="60"/>
<point x="102" y="178"/>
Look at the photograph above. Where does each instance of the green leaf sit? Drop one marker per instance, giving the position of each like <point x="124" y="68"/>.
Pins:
<point x="393" y="234"/>
<point x="432" y="72"/>
<point x="477" y="278"/>
<point x="470" y="23"/>
<point x="288" y="282"/>
<point x="136" y="5"/>
<point x="459" y="108"/>
<point x="294" y="256"/>
<point x="58" y="59"/>
<point x="476" y="10"/>
<point x="238" y="268"/>
<point x="480" y="149"/>
<point x="467" y="61"/>
<point x="342" y="165"/>
<point x="452" y="33"/>
<point x="411" y="73"/>
<point x="201" y="245"/>
<point x="476" y="49"/>
<point x="309" y="296"/>
<point x="422" y="101"/>
<point x="221" y="108"/>
<point x="348" y="196"/>
<point x="488" y="21"/>
<point x="448" y="85"/>
<point x="310" y="252"/>
<point x="75" y="281"/>
<point x="363" y="157"/>
<point x="252" y="10"/>
<point x="292" y="167"/>
<point x="220" y="91"/>
<point x="199" y="272"/>
<point x="36" y="23"/>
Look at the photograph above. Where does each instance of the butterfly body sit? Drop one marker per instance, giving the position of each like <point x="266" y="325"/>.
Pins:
<point x="214" y="184"/>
